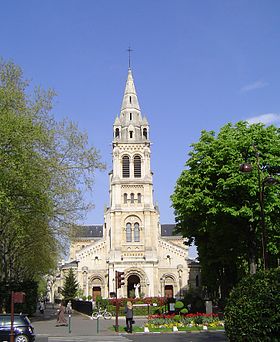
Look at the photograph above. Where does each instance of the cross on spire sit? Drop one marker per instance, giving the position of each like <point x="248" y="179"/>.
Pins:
<point x="129" y="55"/>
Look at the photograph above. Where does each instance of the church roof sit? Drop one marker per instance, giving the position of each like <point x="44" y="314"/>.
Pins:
<point x="168" y="229"/>
<point x="96" y="231"/>
<point x="91" y="231"/>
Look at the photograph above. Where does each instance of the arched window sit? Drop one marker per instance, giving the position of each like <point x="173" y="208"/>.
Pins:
<point x="131" y="198"/>
<point x="117" y="132"/>
<point x="125" y="198"/>
<point x="128" y="232"/>
<point x="137" y="166"/>
<point x="125" y="167"/>
<point x="197" y="281"/>
<point x="145" y="133"/>
<point x="136" y="232"/>
<point x="139" y="198"/>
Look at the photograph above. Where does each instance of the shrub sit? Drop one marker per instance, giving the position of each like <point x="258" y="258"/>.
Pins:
<point x="101" y="302"/>
<point x="184" y="311"/>
<point x="177" y="318"/>
<point x="198" y="319"/>
<point x="252" y="311"/>
<point x="194" y="301"/>
<point x="179" y="305"/>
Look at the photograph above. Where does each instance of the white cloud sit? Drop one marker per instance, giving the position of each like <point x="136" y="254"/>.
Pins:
<point x="266" y="119"/>
<point x="253" y="86"/>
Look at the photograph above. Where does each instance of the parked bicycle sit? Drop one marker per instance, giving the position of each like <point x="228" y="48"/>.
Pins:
<point x="101" y="313"/>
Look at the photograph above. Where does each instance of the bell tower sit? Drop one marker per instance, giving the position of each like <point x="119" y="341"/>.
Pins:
<point x="132" y="220"/>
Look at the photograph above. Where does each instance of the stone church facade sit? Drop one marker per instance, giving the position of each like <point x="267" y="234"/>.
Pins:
<point x="131" y="240"/>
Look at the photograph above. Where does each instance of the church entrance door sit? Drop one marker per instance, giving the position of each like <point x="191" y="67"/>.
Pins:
<point x="133" y="286"/>
<point x="168" y="291"/>
<point x="96" y="291"/>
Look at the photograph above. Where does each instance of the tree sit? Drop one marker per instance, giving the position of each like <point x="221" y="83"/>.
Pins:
<point x="217" y="206"/>
<point x="71" y="285"/>
<point x="45" y="168"/>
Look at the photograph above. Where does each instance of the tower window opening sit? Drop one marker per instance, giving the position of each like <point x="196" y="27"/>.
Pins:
<point x="197" y="281"/>
<point x="131" y="198"/>
<point x="131" y="134"/>
<point x="137" y="166"/>
<point x="130" y="99"/>
<point x="136" y="232"/>
<point x="117" y="133"/>
<point x="130" y="116"/>
<point x="125" y="167"/>
<point x="145" y="133"/>
<point x="139" y="198"/>
<point x="125" y="198"/>
<point x="128" y="232"/>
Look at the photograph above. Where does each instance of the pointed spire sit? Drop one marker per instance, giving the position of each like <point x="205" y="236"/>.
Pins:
<point x="129" y="127"/>
<point x="130" y="100"/>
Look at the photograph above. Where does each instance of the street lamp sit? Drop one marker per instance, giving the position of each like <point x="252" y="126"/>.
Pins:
<point x="262" y="182"/>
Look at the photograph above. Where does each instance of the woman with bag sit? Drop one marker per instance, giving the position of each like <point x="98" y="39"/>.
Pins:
<point x="129" y="316"/>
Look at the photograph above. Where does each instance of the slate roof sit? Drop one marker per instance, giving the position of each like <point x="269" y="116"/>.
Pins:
<point x="92" y="231"/>
<point x="96" y="231"/>
<point x="167" y="230"/>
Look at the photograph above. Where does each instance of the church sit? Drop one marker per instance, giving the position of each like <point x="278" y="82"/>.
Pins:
<point x="132" y="240"/>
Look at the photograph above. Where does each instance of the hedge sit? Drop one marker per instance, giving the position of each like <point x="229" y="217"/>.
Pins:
<point x="252" y="312"/>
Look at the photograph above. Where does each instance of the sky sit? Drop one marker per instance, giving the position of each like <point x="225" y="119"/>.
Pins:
<point x="196" y="65"/>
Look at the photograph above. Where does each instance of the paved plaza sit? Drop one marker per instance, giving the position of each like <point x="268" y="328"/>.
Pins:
<point x="84" y="329"/>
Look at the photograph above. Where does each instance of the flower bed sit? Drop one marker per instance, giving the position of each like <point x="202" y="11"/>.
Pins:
<point x="198" y="321"/>
<point x="141" y="306"/>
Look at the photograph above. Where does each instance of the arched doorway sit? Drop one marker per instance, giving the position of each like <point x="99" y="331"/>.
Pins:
<point x="168" y="291"/>
<point x="133" y="286"/>
<point x="96" y="291"/>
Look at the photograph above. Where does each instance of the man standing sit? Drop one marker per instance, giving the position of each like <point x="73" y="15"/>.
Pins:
<point x="129" y="316"/>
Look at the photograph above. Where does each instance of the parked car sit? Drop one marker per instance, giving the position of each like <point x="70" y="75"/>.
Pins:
<point x="23" y="330"/>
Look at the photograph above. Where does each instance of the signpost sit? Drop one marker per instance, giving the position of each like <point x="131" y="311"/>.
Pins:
<point x="16" y="297"/>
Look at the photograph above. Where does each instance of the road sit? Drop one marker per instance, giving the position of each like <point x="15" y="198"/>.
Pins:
<point x="173" y="337"/>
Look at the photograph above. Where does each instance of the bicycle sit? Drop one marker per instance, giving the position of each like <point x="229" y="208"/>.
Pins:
<point x="101" y="313"/>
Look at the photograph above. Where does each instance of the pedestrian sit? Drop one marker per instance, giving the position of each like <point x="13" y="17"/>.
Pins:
<point x="129" y="316"/>
<point x="69" y="308"/>
<point x="41" y="306"/>
<point x="60" y="318"/>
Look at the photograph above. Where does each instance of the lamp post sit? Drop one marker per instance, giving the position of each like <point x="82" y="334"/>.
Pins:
<point x="262" y="182"/>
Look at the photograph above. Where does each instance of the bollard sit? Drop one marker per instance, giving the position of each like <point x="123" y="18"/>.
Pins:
<point x="97" y="325"/>
<point x="69" y="324"/>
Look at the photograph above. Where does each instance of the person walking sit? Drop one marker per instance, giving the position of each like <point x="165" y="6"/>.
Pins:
<point x="60" y="319"/>
<point x="129" y="316"/>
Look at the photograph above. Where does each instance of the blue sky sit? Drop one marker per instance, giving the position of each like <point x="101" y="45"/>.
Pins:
<point x="196" y="65"/>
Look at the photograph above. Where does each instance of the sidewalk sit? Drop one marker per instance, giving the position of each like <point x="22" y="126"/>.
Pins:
<point x="80" y="325"/>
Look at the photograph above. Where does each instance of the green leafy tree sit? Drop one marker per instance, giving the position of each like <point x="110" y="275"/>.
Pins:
<point x="217" y="206"/>
<point x="45" y="168"/>
<point x="70" y="288"/>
